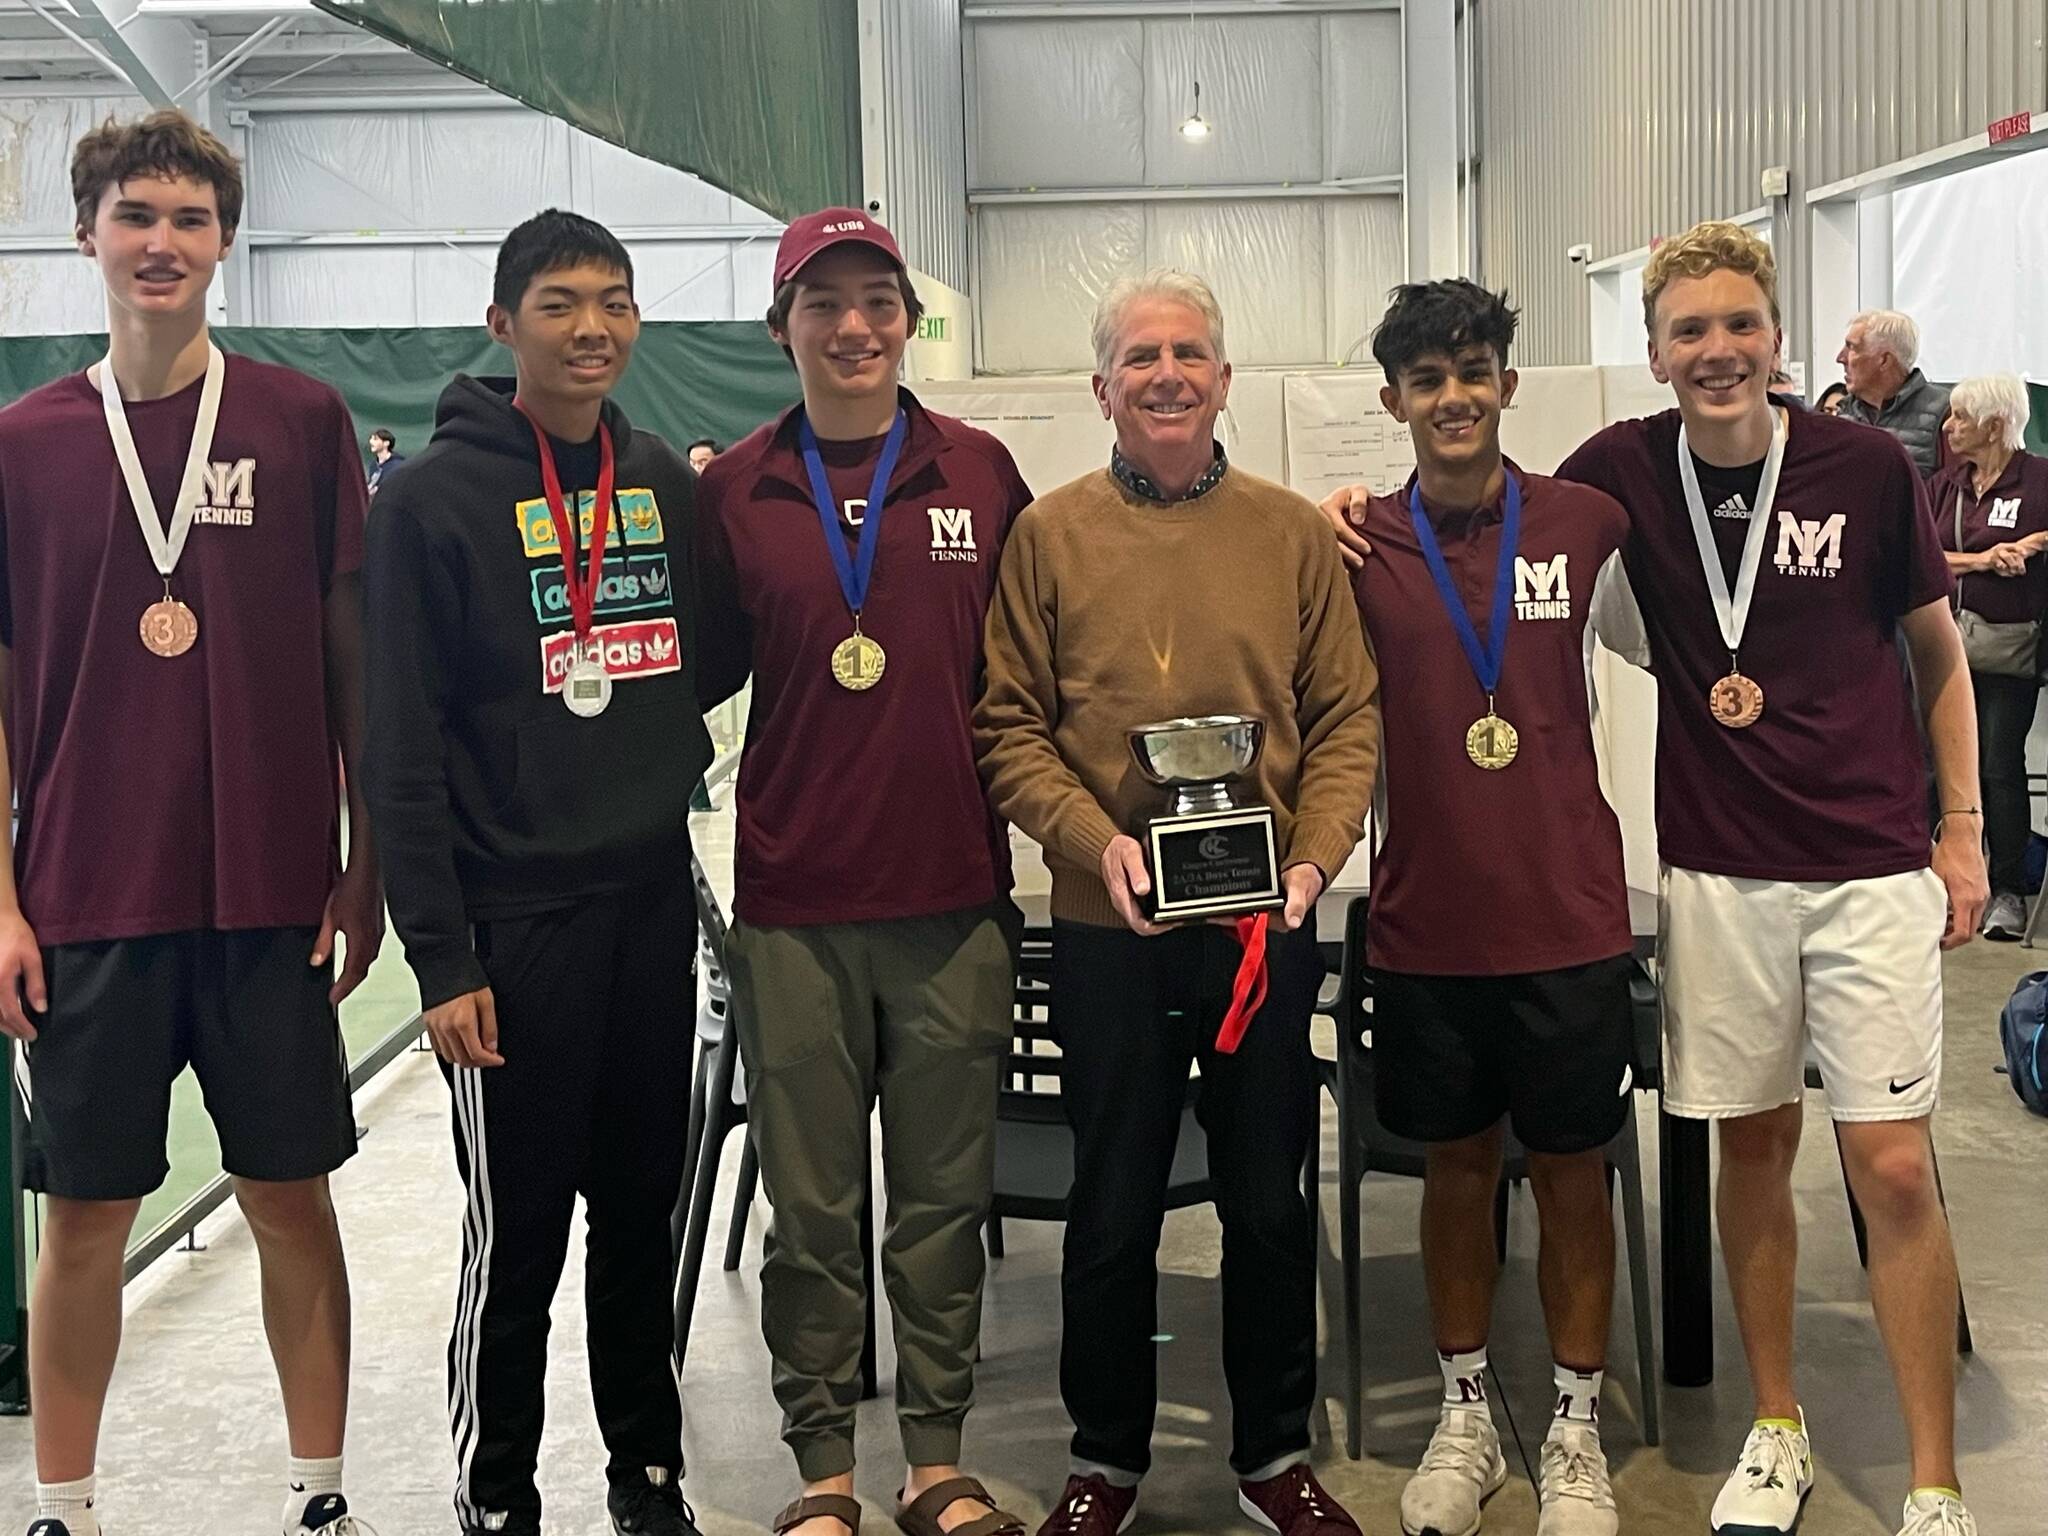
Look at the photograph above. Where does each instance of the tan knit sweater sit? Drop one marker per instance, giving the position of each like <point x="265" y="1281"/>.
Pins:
<point x="1112" y="611"/>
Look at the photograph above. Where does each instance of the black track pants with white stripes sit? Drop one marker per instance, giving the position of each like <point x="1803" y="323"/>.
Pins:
<point x="596" y="1005"/>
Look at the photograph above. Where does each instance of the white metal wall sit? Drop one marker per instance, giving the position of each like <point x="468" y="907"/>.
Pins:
<point x="1078" y="173"/>
<point x="919" y="114"/>
<point x="386" y="217"/>
<point x="1611" y="122"/>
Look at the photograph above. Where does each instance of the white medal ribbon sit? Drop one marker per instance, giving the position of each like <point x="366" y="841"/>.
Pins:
<point x="165" y="547"/>
<point x="1733" y="611"/>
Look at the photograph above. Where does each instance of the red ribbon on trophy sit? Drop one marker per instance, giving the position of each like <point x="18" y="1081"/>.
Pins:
<point x="1248" y="991"/>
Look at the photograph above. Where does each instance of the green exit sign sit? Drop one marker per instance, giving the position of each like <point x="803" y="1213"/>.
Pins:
<point x="931" y="328"/>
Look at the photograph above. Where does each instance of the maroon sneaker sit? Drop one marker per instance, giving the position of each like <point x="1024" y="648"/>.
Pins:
<point x="1295" y="1504"/>
<point x="1091" y="1506"/>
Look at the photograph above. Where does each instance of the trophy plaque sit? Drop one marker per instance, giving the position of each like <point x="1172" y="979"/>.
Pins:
<point x="1210" y="854"/>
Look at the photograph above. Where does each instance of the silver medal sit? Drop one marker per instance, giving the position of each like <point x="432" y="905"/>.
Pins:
<point x="588" y="687"/>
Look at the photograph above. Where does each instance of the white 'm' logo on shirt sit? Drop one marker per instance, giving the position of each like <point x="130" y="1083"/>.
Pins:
<point x="953" y="533"/>
<point x="1820" y="545"/>
<point x="228" y="494"/>
<point x="1543" y="588"/>
<point x="2005" y="512"/>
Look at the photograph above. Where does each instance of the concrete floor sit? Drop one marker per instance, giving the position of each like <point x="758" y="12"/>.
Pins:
<point x="194" y="1443"/>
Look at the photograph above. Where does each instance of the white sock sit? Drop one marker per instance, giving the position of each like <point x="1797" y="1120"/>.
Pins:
<point x="307" y="1479"/>
<point x="70" y="1502"/>
<point x="1465" y="1380"/>
<point x="1578" y="1394"/>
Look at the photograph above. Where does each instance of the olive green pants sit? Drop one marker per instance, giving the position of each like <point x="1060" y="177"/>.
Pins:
<point x="913" y="1013"/>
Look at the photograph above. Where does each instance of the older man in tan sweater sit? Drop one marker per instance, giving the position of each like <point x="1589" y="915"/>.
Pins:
<point x="1174" y="584"/>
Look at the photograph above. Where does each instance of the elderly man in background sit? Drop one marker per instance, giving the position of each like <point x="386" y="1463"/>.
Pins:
<point x="1991" y="509"/>
<point x="1173" y="583"/>
<point x="1887" y="389"/>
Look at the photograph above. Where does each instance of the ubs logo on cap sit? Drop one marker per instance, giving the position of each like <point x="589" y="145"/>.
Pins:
<point x="846" y="227"/>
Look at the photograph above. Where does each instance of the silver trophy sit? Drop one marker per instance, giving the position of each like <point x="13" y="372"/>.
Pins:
<point x="1211" y="854"/>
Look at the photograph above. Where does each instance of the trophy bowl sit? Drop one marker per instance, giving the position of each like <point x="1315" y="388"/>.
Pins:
<point x="1198" y="753"/>
<point x="1210" y="855"/>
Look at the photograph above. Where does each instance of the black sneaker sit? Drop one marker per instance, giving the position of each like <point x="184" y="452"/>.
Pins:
<point x="48" y="1526"/>
<point x="650" y="1506"/>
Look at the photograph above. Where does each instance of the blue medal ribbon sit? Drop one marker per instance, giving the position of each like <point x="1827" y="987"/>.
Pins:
<point x="1486" y="661"/>
<point x="858" y="570"/>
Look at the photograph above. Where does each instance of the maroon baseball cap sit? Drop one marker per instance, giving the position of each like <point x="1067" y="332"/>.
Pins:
<point x="820" y="231"/>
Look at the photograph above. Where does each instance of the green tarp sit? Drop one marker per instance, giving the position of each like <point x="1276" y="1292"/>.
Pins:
<point x="688" y="379"/>
<point x="758" y="97"/>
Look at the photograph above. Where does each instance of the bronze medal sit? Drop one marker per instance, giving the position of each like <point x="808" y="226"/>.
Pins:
<point x="857" y="662"/>
<point x="1492" y="742"/>
<point x="1736" y="701"/>
<point x="169" y="628"/>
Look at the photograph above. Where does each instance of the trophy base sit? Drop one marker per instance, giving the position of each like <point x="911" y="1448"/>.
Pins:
<point x="1217" y="864"/>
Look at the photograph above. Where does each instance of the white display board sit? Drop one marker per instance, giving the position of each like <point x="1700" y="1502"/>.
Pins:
<point x="1338" y="434"/>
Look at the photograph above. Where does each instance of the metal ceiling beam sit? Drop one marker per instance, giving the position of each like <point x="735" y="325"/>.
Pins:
<point x="211" y="10"/>
<point x="92" y="29"/>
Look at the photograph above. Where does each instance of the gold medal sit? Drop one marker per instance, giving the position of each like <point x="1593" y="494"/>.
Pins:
<point x="857" y="662"/>
<point x="1736" y="701"/>
<point x="169" y="628"/>
<point x="1491" y="742"/>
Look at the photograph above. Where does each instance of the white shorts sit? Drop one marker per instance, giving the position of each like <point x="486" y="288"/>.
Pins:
<point x="1758" y="973"/>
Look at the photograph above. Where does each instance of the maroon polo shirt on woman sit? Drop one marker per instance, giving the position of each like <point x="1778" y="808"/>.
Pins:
<point x="1485" y="872"/>
<point x="1831" y="783"/>
<point x="857" y="807"/>
<point x="197" y="791"/>
<point x="2017" y="505"/>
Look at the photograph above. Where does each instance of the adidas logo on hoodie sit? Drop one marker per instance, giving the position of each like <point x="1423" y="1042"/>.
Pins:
<point x="1734" y="506"/>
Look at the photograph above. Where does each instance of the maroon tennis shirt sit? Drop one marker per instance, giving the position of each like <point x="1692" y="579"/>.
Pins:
<point x="1492" y="872"/>
<point x="857" y="807"/>
<point x="2012" y="509"/>
<point x="1831" y="783"/>
<point x="200" y="791"/>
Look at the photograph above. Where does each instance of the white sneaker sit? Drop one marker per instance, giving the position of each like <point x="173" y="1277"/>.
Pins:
<point x="1577" y="1498"/>
<point x="1931" y="1513"/>
<point x="1460" y="1471"/>
<point x="327" y="1515"/>
<point x="1763" y="1495"/>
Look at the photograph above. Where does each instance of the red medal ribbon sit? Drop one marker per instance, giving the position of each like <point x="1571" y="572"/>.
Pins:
<point x="582" y="592"/>
<point x="1248" y="992"/>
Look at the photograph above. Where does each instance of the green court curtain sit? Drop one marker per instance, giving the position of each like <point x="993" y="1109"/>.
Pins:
<point x="687" y="379"/>
<point x="758" y="97"/>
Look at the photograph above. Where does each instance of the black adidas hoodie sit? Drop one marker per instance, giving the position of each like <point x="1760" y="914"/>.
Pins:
<point x="489" y="798"/>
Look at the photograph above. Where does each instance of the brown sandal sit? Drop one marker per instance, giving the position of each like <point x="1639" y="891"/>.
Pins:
<point x="921" y="1516"/>
<point x="817" y="1506"/>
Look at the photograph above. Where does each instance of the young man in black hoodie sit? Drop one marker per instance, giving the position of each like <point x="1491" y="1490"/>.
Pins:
<point x="533" y="738"/>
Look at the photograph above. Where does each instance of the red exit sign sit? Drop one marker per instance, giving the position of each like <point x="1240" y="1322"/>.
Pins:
<point x="2019" y="125"/>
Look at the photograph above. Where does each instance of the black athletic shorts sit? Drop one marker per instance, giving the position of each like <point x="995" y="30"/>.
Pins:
<point x="1550" y="1049"/>
<point x="126" y="1016"/>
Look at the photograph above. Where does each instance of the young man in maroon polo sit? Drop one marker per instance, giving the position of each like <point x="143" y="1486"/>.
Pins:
<point x="180" y="654"/>
<point x="1476" y="602"/>
<point x="1803" y="908"/>
<point x="849" y="552"/>
<point x="1779" y="557"/>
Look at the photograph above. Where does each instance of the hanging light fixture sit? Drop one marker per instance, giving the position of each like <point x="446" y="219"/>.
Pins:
<point x="1194" y="127"/>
